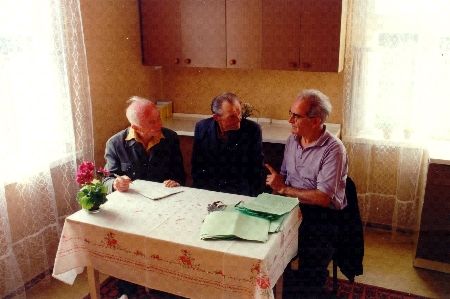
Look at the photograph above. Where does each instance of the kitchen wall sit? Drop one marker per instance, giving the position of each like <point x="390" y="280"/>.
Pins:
<point x="270" y="91"/>
<point x="112" y="38"/>
<point x="113" y="49"/>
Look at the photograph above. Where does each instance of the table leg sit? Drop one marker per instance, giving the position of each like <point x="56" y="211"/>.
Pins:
<point x="279" y="288"/>
<point x="94" y="282"/>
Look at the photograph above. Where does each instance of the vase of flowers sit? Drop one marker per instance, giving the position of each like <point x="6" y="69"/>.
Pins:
<point x="92" y="192"/>
<point x="248" y="110"/>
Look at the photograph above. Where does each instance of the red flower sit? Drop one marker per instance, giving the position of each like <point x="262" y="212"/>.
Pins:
<point x="85" y="173"/>
<point x="102" y="171"/>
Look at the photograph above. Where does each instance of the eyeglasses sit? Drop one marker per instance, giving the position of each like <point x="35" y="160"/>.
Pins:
<point x="297" y="116"/>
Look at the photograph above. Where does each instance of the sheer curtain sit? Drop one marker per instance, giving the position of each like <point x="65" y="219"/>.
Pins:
<point x="396" y="102"/>
<point x="46" y="126"/>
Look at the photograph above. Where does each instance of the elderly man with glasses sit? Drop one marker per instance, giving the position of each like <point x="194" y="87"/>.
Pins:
<point x="314" y="170"/>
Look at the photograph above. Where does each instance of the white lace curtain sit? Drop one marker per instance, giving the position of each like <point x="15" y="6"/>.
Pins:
<point x="45" y="116"/>
<point x="396" y="102"/>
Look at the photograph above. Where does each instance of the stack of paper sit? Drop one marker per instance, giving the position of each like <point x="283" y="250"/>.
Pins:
<point x="231" y="224"/>
<point x="152" y="191"/>
<point x="275" y="225"/>
<point x="268" y="206"/>
<point x="252" y="220"/>
<point x="271" y="207"/>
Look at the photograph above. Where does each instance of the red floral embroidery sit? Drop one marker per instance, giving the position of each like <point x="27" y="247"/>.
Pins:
<point x="219" y="272"/>
<point x="263" y="282"/>
<point x="256" y="268"/>
<point x="111" y="242"/>
<point x="138" y="253"/>
<point x="186" y="258"/>
<point x="156" y="257"/>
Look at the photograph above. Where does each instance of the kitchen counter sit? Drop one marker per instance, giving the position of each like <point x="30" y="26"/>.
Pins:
<point x="273" y="130"/>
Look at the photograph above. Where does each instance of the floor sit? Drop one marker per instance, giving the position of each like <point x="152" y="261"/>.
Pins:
<point x="387" y="263"/>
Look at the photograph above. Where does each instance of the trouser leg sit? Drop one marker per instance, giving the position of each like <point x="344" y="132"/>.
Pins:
<point x="316" y="249"/>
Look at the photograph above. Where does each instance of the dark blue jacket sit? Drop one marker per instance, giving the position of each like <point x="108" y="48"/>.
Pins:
<point x="129" y="157"/>
<point x="231" y="166"/>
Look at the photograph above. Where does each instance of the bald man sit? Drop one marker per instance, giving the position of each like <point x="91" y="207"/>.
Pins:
<point x="145" y="150"/>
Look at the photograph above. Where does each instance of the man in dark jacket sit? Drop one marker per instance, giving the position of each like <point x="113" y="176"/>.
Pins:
<point x="227" y="153"/>
<point x="144" y="151"/>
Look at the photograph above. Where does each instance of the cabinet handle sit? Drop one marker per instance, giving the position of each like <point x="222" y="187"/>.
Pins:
<point x="306" y="65"/>
<point x="177" y="61"/>
<point x="232" y="61"/>
<point x="293" y="64"/>
<point x="187" y="61"/>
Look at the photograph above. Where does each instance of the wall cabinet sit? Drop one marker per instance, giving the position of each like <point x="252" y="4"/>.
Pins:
<point x="183" y="32"/>
<point x="161" y="32"/>
<point x="243" y="33"/>
<point x="270" y="34"/>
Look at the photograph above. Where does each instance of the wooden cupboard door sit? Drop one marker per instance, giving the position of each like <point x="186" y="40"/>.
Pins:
<point x="243" y="23"/>
<point x="161" y="32"/>
<point x="203" y="33"/>
<point x="320" y="32"/>
<point x="280" y="34"/>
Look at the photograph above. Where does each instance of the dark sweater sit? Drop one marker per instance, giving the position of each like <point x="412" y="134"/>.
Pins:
<point x="232" y="166"/>
<point x="129" y="157"/>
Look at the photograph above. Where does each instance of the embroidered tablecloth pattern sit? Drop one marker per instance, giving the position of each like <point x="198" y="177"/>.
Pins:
<point x="157" y="244"/>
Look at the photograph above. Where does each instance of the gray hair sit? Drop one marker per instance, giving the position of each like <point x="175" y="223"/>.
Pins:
<point x="216" y="104"/>
<point x="320" y="105"/>
<point x="136" y="108"/>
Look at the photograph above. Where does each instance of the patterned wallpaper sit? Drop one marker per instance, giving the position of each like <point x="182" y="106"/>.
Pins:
<point x="112" y="38"/>
<point x="271" y="92"/>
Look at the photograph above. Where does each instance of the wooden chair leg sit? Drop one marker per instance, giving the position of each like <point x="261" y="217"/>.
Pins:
<point x="279" y="288"/>
<point x="94" y="282"/>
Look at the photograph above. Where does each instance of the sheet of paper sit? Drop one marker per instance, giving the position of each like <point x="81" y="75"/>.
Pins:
<point x="275" y="225"/>
<point x="152" y="191"/>
<point x="230" y="224"/>
<point x="270" y="203"/>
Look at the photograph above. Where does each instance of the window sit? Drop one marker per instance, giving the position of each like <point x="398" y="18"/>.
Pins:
<point x="402" y="51"/>
<point x="35" y="114"/>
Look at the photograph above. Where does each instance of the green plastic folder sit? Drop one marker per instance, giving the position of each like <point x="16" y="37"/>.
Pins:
<point x="233" y="224"/>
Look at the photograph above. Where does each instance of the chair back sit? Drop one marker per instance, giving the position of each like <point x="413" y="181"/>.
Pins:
<point x="350" y="245"/>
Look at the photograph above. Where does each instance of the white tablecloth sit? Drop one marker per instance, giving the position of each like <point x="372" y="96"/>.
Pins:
<point x="157" y="244"/>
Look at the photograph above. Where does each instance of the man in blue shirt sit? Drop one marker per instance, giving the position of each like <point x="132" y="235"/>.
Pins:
<point x="314" y="170"/>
